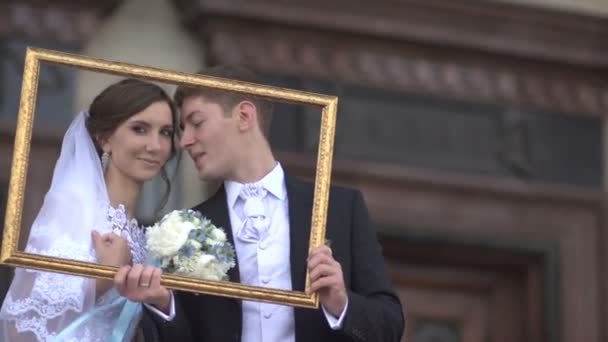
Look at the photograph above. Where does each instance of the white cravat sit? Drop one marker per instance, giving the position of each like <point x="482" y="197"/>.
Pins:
<point x="255" y="221"/>
<point x="263" y="253"/>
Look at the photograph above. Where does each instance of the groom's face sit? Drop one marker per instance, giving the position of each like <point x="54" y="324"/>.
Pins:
<point x="209" y="135"/>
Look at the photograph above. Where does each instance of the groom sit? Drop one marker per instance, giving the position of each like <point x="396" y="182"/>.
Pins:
<point x="266" y="215"/>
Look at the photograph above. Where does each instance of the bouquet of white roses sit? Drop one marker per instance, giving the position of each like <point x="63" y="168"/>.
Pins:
<point x="186" y="243"/>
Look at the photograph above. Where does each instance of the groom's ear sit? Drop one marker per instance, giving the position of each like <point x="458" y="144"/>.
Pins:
<point x="247" y="115"/>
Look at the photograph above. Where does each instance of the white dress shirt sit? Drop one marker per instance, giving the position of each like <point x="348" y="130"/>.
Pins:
<point x="265" y="263"/>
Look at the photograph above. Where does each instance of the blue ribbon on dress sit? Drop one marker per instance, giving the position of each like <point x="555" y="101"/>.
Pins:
<point x="124" y="327"/>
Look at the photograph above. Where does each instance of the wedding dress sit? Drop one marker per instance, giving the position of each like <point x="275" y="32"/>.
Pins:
<point x="46" y="306"/>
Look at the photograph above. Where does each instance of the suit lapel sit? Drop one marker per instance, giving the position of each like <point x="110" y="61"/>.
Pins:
<point x="216" y="209"/>
<point x="300" y="210"/>
<point x="300" y="198"/>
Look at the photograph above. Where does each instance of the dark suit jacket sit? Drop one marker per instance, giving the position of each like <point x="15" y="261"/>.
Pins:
<point x="374" y="311"/>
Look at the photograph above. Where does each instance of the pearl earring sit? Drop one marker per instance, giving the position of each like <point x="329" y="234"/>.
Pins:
<point x="105" y="158"/>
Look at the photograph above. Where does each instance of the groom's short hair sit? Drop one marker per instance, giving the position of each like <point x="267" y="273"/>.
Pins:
<point x="227" y="99"/>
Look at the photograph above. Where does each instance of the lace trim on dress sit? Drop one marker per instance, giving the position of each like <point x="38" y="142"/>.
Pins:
<point x="129" y="230"/>
<point x="55" y="294"/>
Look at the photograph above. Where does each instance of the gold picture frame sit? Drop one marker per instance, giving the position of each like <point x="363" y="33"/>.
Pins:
<point x="10" y="255"/>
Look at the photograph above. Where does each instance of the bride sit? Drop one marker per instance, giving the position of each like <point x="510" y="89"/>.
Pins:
<point x="125" y="139"/>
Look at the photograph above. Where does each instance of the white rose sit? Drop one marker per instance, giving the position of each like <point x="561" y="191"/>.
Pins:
<point x="167" y="239"/>
<point x="218" y="235"/>
<point x="205" y="267"/>
<point x="203" y="260"/>
<point x="187" y="226"/>
<point x="184" y="266"/>
<point x="172" y="216"/>
<point x="197" y="245"/>
<point x="173" y="219"/>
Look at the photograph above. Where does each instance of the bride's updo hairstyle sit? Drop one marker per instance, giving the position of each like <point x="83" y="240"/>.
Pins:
<point x="120" y="101"/>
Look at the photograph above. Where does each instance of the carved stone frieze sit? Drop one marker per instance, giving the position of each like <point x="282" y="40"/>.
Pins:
<point x="407" y="68"/>
<point x="64" y="22"/>
<point x="492" y="26"/>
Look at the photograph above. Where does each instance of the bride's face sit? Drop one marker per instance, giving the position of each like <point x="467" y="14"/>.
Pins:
<point x="141" y="146"/>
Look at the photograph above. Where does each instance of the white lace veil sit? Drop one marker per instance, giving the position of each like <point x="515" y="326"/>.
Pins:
<point x="40" y="304"/>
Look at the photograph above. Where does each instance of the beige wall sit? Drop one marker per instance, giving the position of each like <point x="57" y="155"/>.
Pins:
<point x="146" y="32"/>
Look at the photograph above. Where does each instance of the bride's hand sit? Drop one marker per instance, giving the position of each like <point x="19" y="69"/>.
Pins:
<point x="142" y="284"/>
<point x="111" y="249"/>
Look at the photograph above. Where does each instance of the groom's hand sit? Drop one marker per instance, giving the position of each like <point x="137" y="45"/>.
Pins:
<point x="141" y="283"/>
<point x="326" y="277"/>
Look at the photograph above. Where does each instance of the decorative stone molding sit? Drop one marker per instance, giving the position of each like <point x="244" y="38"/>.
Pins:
<point x="490" y="26"/>
<point x="59" y="21"/>
<point x="590" y="7"/>
<point x="407" y="68"/>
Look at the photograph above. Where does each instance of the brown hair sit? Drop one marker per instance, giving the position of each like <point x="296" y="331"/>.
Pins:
<point x="227" y="100"/>
<point x="120" y="101"/>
